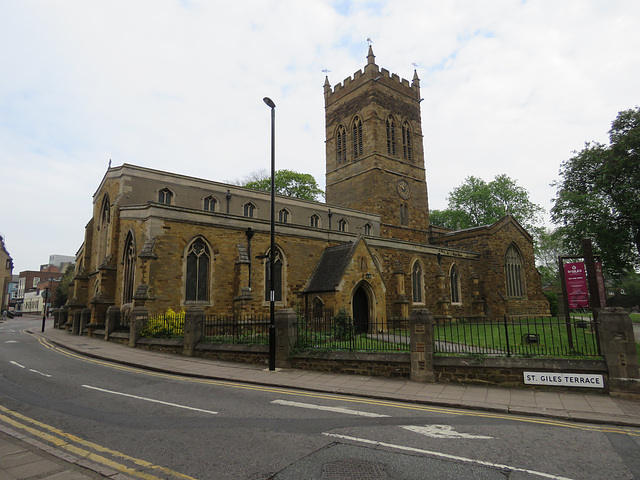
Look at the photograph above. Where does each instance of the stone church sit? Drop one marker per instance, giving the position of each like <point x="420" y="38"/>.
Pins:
<point x="165" y="240"/>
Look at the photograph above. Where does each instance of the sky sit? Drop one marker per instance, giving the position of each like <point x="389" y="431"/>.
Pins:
<point x="509" y="86"/>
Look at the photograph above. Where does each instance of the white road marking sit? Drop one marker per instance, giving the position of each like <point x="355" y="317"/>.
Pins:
<point x="39" y="373"/>
<point x="150" y="400"/>
<point x="12" y="341"/>
<point x="327" y="409"/>
<point x="17" y="364"/>
<point x="445" y="455"/>
<point x="441" y="431"/>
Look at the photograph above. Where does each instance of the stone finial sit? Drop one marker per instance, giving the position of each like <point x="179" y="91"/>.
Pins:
<point x="416" y="79"/>
<point x="371" y="58"/>
<point x="327" y="85"/>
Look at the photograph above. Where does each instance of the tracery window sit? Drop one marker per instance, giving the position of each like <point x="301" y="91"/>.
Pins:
<point x="210" y="203"/>
<point x="165" y="196"/>
<point x="249" y="210"/>
<point x="341" y="147"/>
<point x="314" y="221"/>
<point x="283" y="216"/>
<point x="129" y="261"/>
<point x="197" y="272"/>
<point x="417" y="282"/>
<point x="513" y="272"/>
<point x="357" y="137"/>
<point x="454" y="278"/>
<point x="342" y="225"/>
<point x="391" y="136"/>
<point x="407" y="148"/>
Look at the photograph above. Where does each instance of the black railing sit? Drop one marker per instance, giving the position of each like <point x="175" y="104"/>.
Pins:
<point x="543" y="336"/>
<point x="339" y="333"/>
<point x="236" y="330"/>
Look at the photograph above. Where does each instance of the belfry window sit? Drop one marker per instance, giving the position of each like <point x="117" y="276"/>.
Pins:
<point x="165" y="196"/>
<point x="357" y="137"/>
<point x="341" y="145"/>
<point x="129" y="261"/>
<point x="210" y="203"/>
<point x="513" y="272"/>
<point x="417" y="283"/>
<point x="407" y="148"/>
<point x="454" y="278"/>
<point x="391" y="136"/>
<point x="277" y="276"/>
<point x="197" y="278"/>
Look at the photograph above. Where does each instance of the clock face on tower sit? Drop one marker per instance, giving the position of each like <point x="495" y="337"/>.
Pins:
<point x="403" y="189"/>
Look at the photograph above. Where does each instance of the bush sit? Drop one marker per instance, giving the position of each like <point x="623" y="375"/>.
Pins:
<point x="168" y="325"/>
<point x="552" y="298"/>
<point x="343" y="325"/>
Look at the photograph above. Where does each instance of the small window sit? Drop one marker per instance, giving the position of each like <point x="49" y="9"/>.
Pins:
<point x="314" y="221"/>
<point x="454" y="278"/>
<point x="283" y="216"/>
<point x="404" y="214"/>
<point x="249" y="210"/>
<point x="165" y="196"/>
<point x="210" y="203"/>
<point x="417" y="282"/>
<point x="367" y="229"/>
<point x="342" y="225"/>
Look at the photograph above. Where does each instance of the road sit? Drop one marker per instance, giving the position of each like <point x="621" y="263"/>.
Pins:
<point x="152" y="425"/>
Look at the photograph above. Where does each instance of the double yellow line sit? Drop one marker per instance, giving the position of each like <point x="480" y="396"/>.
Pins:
<point x="85" y="449"/>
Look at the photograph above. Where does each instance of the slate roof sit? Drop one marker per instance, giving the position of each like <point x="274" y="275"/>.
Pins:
<point x="330" y="268"/>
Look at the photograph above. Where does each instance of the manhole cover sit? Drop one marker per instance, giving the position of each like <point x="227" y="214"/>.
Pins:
<point x="353" y="470"/>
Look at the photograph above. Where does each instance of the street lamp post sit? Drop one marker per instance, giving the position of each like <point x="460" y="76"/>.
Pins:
<point x="272" y="293"/>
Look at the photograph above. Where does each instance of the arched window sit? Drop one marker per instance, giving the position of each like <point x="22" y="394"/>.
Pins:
<point x="417" y="282"/>
<point x="278" y="276"/>
<point x="404" y="214"/>
<point x="314" y="221"/>
<point x="357" y="137"/>
<point x="513" y="272"/>
<point x="103" y="227"/>
<point x="318" y="308"/>
<point x="407" y="147"/>
<point x="342" y="225"/>
<point x="283" y="216"/>
<point x="165" y="196"/>
<point x="391" y="136"/>
<point x="197" y="272"/>
<point x="129" y="261"/>
<point x="210" y="203"/>
<point x="249" y="210"/>
<point x="341" y="144"/>
<point x="454" y="279"/>
<point x="367" y="229"/>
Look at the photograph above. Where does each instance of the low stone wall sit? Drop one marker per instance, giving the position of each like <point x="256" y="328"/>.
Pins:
<point x="354" y="363"/>
<point x="256" y="354"/>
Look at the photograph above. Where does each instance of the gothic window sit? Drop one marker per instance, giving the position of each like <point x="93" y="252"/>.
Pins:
<point x="129" y="262"/>
<point x="342" y="225"/>
<point x="407" y="148"/>
<point x="165" y="196"/>
<point x="318" y="308"/>
<point x="249" y="210"/>
<point x="391" y="136"/>
<point x="197" y="273"/>
<point x="417" y="282"/>
<point x="283" y="216"/>
<point x="103" y="227"/>
<point x="454" y="278"/>
<point x="357" y="137"/>
<point x="367" y="229"/>
<point x="404" y="214"/>
<point x="278" y="280"/>
<point x="314" y="221"/>
<point x="513" y="272"/>
<point x="341" y="147"/>
<point x="210" y="203"/>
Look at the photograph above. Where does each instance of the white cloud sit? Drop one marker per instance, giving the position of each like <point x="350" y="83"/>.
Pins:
<point x="510" y="87"/>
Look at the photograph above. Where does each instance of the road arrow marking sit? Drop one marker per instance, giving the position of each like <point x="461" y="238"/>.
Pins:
<point x="311" y="406"/>
<point x="441" y="431"/>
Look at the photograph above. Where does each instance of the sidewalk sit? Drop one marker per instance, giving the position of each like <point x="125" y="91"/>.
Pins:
<point x="21" y="457"/>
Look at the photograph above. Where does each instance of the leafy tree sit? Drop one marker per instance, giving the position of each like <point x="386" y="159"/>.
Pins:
<point x="60" y="297"/>
<point x="549" y="245"/>
<point x="475" y="203"/>
<point x="598" y="196"/>
<point x="287" y="182"/>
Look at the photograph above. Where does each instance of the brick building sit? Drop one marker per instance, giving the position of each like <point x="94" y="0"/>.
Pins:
<point x="171" y="241"/>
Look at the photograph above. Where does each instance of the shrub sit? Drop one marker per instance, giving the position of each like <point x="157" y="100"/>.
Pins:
<point x="343" y="325"/>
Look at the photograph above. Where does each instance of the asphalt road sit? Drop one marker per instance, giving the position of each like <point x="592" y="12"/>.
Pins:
<point x="152" y="425"/>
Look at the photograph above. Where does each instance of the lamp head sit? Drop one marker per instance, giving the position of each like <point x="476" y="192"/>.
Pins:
<point x="269" y="102"/>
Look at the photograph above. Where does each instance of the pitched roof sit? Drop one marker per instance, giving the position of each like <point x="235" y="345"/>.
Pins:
<point x="330" y="268"/>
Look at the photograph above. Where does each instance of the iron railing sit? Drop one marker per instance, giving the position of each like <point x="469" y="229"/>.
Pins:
<point x="166" y="325"/>
<point x="236" y="329"/>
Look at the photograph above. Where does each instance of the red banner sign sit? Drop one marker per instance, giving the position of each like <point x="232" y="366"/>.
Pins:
<point x="575" y="277"/>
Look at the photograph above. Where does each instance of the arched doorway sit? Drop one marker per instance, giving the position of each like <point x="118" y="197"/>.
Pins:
<point x="360" y="310"/>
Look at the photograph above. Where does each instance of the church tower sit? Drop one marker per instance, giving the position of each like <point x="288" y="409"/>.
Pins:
<point x="375" y="156"/>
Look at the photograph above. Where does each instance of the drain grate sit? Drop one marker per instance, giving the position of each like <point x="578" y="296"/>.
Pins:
<point x="350" y="469"/>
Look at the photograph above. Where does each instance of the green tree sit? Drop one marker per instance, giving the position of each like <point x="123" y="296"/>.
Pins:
<point x="549" y="246"/>
<point x="598" y="196"/>
<point x="60" y="297"/>
<point x="287" y="182"/>
<point x="475" y="203"/>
